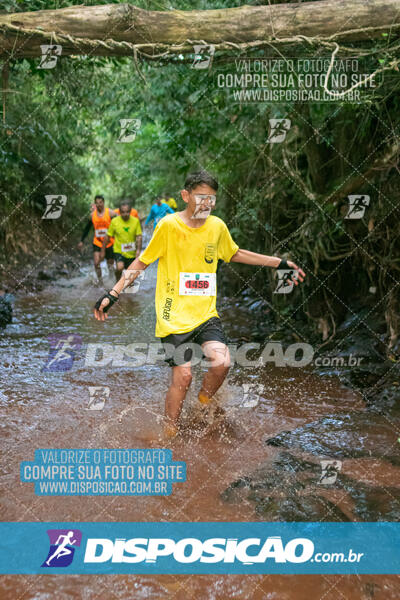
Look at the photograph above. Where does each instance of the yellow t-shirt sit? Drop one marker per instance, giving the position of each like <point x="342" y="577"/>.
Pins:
<point x="125" y="234"/>
<point x="171" y="202"/>
<point x="184" y="249"/>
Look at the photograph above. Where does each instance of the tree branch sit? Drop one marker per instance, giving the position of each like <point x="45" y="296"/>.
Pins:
<point x="111" y="30"/>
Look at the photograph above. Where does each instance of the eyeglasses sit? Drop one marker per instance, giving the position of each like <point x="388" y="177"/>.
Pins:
<point x="202" y="198"/>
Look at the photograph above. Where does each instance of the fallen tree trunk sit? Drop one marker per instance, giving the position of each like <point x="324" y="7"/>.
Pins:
<point x="112" y="30"/>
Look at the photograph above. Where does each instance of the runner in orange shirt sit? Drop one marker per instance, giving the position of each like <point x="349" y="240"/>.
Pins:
<point x="100" y="220"/>
<point x="134" y="212"/>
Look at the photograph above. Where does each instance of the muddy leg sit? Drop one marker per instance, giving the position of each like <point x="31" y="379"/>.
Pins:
<point x="97" y="267"/>
<point x="180" y="383"/>
<point x="118" y="270"/>
<point x="219" y="357"/>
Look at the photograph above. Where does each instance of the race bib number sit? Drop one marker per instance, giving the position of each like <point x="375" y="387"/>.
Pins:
<point x="197" y="284"/>
<point x="100" y="233"/>
<point x="128" y="247"/>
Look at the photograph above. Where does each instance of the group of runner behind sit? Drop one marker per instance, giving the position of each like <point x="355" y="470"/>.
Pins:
<point x="118" y="232"/>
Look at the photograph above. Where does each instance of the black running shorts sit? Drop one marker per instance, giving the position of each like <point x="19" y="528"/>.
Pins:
<point x="121" y="258"/>
<point x="109" y="251"/>
<point x="185" y="344"/>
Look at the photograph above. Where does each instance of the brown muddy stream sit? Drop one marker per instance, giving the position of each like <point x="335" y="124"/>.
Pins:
<point x="50" y="410"/>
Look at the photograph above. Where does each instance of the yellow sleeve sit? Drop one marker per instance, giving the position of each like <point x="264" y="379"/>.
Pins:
<point x="157" y="244"/>
<point x="138" y="228"/>
<point x="110" y="230"/>
<point x="226" y="246"/>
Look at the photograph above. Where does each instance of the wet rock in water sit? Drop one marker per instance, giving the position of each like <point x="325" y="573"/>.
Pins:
<point x="300" y="508"/>
<point x="286" y="490"/>
<point x="384" y="395"/>
<point x="353" y="435"/>
<point x="291" y="489"/>
<point x="376" y="504"/>
<point x="378" y="383"/>
<point x="354" y="338"/>
<point x="360" y="354"/>
<point x="5" y="309"/>
<point x="361" y="378"/>
<point x="44" y="276"/>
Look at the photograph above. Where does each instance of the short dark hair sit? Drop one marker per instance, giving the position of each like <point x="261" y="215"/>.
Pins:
<point x="197" y="178"/>
<point x="125" y="203"/>
<point x="98" y="196"/>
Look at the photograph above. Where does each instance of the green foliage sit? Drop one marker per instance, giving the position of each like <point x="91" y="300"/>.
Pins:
<point x="61" y="130"/>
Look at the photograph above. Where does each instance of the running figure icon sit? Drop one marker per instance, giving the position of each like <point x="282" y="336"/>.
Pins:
<point x="62" y="549"/>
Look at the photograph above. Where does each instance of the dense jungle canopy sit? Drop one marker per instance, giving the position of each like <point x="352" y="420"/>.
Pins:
<point x="60" y="128"/>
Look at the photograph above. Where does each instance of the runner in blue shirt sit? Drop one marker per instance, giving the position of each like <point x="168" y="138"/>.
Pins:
<point x="158" y="211"/>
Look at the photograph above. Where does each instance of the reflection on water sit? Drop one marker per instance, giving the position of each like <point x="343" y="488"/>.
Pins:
<point x="50" y="409"/>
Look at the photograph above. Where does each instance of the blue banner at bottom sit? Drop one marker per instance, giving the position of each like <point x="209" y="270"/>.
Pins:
<point x="200" y="548"/>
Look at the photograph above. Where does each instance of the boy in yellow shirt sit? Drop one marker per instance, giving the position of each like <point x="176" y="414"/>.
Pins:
<point x="188" y="246"/>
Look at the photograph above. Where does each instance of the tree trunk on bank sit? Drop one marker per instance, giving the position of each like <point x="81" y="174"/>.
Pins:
<point x="336" y="20"/>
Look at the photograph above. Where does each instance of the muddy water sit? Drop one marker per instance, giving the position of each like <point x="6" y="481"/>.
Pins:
<point x="50" y="410"/>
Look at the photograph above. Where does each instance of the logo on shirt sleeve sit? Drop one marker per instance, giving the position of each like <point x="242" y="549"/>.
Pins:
<point x="210" y="253"/>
